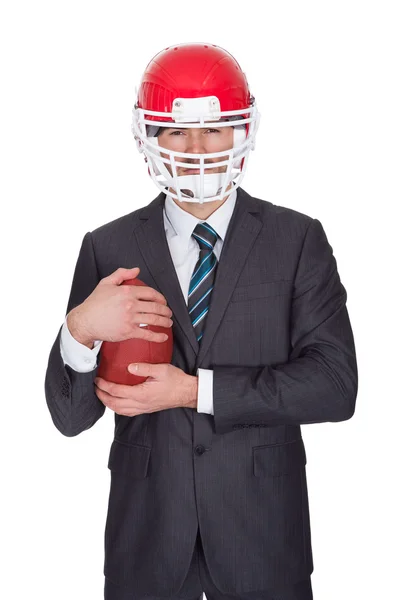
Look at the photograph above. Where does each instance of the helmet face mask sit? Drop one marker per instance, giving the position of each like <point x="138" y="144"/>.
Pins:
<point x="219" y="172"/>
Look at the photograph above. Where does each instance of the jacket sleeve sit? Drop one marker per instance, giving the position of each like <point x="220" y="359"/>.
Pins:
<point x="70" y="395"/>
<point x="319" y="382"/>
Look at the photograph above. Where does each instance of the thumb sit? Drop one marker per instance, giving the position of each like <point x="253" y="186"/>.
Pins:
<point x="143" y="369"/>
<point x="121" y="275"/>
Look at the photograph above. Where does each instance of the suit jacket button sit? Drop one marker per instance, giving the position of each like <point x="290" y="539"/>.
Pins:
<point x="199" y="450"/>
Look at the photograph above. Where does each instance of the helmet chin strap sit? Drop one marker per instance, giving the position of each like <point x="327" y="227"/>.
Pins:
<point x="190" y="186"/>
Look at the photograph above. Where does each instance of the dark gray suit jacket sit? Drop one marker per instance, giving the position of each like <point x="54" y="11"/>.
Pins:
<point x="280" y="343"/>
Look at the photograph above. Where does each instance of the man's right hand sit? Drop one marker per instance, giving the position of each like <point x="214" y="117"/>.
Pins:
<point x="114" y="312"/>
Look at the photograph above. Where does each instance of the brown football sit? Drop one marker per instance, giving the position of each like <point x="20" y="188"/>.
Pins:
<point x="116" y="356"/>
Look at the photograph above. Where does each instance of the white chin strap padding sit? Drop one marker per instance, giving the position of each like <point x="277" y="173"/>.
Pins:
<point x="154" y="140"/>
<point x="190" y="185"/>
<point x="239" y="136"/>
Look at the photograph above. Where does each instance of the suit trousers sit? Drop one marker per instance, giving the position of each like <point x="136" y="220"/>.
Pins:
<point x="198" y="580"/>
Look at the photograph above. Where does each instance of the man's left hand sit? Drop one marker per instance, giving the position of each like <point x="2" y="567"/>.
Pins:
<point x="166" y="386"/>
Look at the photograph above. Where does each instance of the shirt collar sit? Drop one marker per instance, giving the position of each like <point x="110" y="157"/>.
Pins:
<point x="183" y="223"/>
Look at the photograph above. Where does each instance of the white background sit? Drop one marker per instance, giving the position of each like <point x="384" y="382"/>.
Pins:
<point x="326" y="80"/>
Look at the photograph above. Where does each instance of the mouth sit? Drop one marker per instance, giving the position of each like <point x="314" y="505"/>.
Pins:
<point x="191" y="171"/>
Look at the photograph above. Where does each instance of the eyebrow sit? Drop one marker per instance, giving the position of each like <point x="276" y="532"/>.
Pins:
<point x="211" y="126"/>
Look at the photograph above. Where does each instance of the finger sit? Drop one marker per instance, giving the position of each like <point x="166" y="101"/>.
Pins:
<point x="146" y="294"/>
<point x="144" y="369"/>
<point x="114" y="389"/>
<point x="121" y="274"/>
<point x="136" y="394"/>
<point x="151" y="336"/>
<point x="119" y="405"/>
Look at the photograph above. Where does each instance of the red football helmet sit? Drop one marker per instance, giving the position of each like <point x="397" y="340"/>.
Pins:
<point x="192" y="85"/>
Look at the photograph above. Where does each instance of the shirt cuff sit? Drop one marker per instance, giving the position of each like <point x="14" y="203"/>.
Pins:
<point x="205" y="391"/>
<point x="77" y="355"/>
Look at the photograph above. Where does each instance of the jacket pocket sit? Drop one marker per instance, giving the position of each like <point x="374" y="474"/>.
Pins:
<point x="279" y="459"/>
<point x="132" y="460"/>
<point x="262" y="290"/>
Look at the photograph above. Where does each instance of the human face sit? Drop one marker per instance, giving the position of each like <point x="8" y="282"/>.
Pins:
<point x="196" y="140"/>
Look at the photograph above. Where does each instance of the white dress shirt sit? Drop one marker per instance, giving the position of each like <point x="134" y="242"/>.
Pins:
<point x="184" y="250"/>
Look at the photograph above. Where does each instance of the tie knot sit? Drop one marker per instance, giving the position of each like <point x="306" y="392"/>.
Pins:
<point x="205" y="235"/>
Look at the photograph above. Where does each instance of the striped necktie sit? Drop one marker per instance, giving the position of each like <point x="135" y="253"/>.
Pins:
<point x="202" y="280"/>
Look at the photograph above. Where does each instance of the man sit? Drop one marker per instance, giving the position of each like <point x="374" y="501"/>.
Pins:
<point x="208" y="483"/>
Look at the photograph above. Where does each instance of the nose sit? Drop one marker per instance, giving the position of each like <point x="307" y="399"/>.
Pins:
<point x="195" y="145"/>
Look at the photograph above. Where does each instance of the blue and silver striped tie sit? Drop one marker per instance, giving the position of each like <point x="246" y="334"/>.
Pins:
<point x="202" y="280"/>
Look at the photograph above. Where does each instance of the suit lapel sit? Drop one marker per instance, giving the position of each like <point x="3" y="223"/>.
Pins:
<point x="241" y="234"/>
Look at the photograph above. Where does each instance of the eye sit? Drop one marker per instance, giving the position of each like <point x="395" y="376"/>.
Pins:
<point x="179" y="131"/>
